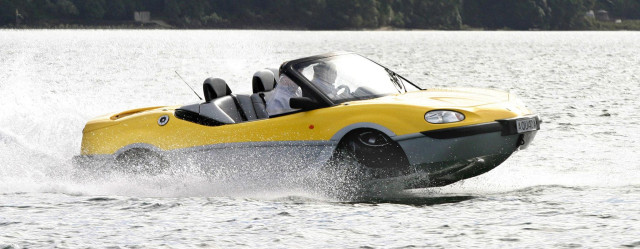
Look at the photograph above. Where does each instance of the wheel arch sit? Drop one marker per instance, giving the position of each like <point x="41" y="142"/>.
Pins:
<point x="338" y="136"/>
<point x="388" y="158"/>
<point x="137" y="146"/>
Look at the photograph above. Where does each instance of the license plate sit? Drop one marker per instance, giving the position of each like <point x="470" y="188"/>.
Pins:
<point x="526" y="125"/>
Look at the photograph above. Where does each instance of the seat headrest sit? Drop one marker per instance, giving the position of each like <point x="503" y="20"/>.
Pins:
<point x="276" y="73"/>
<point x="263" y="81"/>
<point x="214" y="88"/>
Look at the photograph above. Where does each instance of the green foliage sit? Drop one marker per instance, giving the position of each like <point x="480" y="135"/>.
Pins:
<point x="626" y="9"/>
<point x="7" y="11"/>
<point x="624" y="25"/>
<point x="530" y="14"/>
<point x="510" y="14"/>
<point x="117" y="10"/>
<point x="66" y="9"/>
<point x="327" y="14"/>
<point x="91" y="9"/>
<point x="172" y="9"/>
<point x="568" y="14"/>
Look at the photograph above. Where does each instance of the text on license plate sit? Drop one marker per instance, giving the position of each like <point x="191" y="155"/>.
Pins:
<point x="526" y="124"/>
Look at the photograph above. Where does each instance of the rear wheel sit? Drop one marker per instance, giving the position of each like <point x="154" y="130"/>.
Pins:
<point x="141" y="161"/>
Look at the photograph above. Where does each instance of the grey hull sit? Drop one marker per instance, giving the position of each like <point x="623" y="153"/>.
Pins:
<point x="442" y="161"/>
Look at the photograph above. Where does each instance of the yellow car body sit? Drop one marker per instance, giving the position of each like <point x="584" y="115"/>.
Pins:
<point x="312" y="137"/>
<point x="105" y="135"/>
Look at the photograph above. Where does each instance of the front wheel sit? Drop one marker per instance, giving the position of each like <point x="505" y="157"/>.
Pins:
<point x="360" y="160"/>
<point x="369" y="154"/>
<point x="375" y="151"/>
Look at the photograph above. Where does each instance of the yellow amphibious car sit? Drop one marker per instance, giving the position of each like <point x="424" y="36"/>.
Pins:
<point x="337" y="107"/>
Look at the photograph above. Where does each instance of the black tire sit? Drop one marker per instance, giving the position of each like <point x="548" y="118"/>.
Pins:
<point x="376" y="152"/>
<point x="141" y="161"/>
<point x="362" y="156"/>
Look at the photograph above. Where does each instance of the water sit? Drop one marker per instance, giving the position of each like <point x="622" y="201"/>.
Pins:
<point x="575" y="186"/>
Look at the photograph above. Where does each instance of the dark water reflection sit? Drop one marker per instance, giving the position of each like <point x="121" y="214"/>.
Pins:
<point x="418" y="201"/>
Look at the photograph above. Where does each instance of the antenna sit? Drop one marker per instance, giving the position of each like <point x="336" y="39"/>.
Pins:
<point x="194" y="91"/>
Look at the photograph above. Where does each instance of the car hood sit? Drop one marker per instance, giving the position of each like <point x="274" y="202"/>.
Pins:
<point x="445" y="97"/>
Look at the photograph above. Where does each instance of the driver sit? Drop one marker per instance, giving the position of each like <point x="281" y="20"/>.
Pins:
<point x="324" y="77"/>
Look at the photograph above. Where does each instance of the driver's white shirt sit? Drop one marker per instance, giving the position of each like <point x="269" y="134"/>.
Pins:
<point x="279" y="101"/>
<point x="326" y="87"/>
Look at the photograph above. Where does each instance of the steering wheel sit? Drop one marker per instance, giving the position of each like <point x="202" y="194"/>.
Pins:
<point x="343" y="91"/>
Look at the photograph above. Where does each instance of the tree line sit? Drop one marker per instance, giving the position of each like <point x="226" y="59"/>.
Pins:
<point x="321" y="14"/>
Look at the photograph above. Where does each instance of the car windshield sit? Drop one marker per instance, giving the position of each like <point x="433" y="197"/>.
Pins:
<point x="352" y="77"/>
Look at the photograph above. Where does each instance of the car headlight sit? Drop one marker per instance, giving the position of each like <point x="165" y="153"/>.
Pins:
<point x="443" y="117"/>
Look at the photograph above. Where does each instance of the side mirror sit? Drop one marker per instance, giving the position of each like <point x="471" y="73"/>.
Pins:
<point x="303" y="103"/>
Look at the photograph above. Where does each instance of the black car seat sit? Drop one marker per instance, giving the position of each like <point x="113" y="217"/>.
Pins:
<point x="263" y="82"/>
<point x="244" y="100"/>
<point x="219" y="105"/>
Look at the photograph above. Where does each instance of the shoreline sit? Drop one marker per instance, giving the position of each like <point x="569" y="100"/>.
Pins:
<point x="628" y="25"/>
<point x="317" y="30"/>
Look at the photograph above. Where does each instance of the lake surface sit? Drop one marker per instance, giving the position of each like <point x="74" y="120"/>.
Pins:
<point x="577" y="185"/>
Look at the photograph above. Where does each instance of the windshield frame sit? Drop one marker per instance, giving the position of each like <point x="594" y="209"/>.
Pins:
<point x="290" y="69"/>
